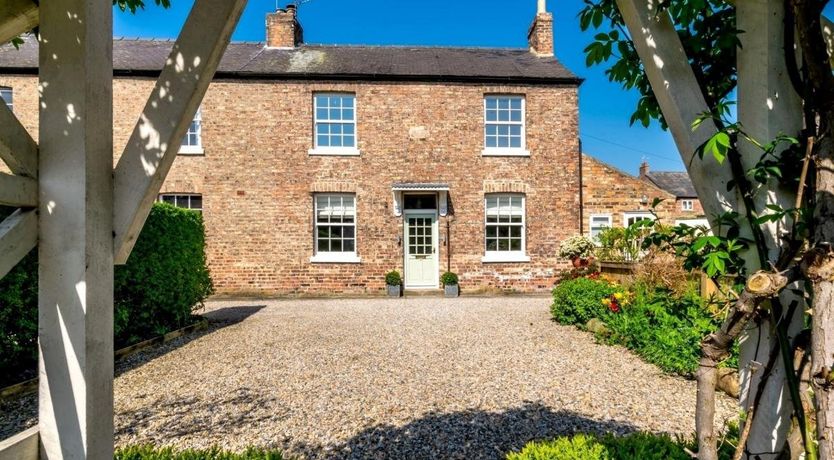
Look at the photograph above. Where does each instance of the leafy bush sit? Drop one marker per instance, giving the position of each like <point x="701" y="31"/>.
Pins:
<point x="165" y="278"/>
<point x="18" y="317"/>
<point x="578" y="300"/>
<point x="577" y="246"/>
<point x="167" y="453"/>
<point x="449" y="279"/>
<point x="393" y="278"/>
<point x="579" y="447"/>
<point x="664" y="329"/>
<point x="636" y="446"/>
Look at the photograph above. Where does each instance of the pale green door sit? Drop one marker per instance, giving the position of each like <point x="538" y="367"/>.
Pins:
<point x="421" y="251"/>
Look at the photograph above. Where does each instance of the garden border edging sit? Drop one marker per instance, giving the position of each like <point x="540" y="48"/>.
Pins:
<point x="31" y="385"/>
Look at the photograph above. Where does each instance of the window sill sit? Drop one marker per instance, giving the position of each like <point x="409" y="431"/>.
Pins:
<point x="505" y="258"/>
<point x="191" y="150"/>
<point x="498" y="152"/>
<point x="335" y="259"/>
<point x="334" y="151"/>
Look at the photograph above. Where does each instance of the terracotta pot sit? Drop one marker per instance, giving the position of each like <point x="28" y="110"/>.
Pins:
<point x="578" y="262"/>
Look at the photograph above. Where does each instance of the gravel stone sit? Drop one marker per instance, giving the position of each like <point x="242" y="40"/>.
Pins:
<point x="416" y="378"/>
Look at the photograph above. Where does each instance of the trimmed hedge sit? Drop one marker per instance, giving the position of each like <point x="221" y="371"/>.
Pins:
<point x="165" y="278"/>
<point x="215" y="453"/>
<point x="636" y="446"/>
<point x="663" y="329"/>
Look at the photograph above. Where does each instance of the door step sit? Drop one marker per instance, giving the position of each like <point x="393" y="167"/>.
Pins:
<point x="423" y="293"/>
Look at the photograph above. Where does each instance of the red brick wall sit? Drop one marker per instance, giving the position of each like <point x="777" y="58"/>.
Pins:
<point x="609" y="191"/>
<point x="256" y="179"/>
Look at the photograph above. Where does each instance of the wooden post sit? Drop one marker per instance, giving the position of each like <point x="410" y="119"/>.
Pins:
<point x="75" y="297"/>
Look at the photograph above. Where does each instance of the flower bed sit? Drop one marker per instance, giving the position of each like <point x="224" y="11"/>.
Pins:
<point x="663" y="328"/>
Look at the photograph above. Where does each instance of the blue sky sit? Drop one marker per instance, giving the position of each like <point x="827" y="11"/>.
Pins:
<point x="604" y="107"/>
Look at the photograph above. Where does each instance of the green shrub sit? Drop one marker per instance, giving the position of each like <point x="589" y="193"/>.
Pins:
<point x="167" y="453"/>
<point x="18" y="317"/>
<point x="578" y="300"/>
<point x="664" y="329"/>
<point x="165" y="278"/>
<point x="579" y="447"/>
<point x="449" y="279"/>
<point x="393" y="278"/>
<point x="644" y="446"/>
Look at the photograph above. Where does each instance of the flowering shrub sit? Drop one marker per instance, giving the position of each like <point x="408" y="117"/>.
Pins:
<point x="664" y="329"/>
<point x="577" y="246"/>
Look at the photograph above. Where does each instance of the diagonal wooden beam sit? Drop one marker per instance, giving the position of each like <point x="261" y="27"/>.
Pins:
<point x="18" y="191"/>
<point x="679" y="95"/>
<point x="155" y="140"/>
<point x="18" y="236"/>
<point x="17" y="17"/>
<point x="17" y="148"/>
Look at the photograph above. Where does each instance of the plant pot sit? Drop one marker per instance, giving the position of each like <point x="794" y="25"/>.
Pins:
<point x="451" y="290"/>
<point x="579" y="262"/>
<point x="395" y="291"/>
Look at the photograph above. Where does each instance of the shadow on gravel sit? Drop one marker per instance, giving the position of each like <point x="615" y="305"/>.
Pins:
<point x="464" y="435"/>
<point x="18" y="414"/>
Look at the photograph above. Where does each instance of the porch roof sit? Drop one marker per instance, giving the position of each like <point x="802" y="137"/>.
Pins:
<point x="420" y="187"/>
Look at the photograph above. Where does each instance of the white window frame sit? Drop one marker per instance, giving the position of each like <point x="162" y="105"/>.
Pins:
<point x="608" y="217"/>
<point x="506" y="151"/>
<point x="10" y="91"/>
<point x="328" y="150"/>
<point x="335" y="257"/>
<point x="640" y="215"/>
<point x="182" y="196"/>
<point x="196" y="149"/>
<point x="507" y="256"/>
<point x="688" y="205"/>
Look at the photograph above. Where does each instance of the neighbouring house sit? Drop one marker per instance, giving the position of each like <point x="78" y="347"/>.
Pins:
<point x="688" y="209"/>
<point x="614" y="198"/>
<point x="320" y="168"/>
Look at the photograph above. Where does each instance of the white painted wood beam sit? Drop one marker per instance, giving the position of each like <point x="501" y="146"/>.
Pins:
<point x="17" y="148"/>
<point x="767" y="107"/>
<point x="18" y="192"/>
<point x="156" y="139"/>
<point x="676" y="89"/>
<point x="18" y="236"/>
<point x="75" y="245"/>
<point x="17" y="17"/>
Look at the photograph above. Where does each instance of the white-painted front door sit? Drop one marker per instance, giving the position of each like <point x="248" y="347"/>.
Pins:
<point x="421" y="250"/>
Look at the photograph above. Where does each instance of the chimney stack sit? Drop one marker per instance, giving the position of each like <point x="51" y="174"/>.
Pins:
<point x="644" y="169"/>
<point x="283" y="29"/>
<point x="540" y="35"/>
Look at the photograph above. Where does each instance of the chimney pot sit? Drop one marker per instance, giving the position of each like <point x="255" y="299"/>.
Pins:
<point x="644" y="169"/>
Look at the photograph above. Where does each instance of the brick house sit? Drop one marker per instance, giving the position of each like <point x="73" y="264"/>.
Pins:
<point x="614" y="198"/>
<point x="320" y="168"/>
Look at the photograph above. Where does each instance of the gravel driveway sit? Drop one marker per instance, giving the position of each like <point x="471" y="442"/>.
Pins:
<point x="382" y="378"/>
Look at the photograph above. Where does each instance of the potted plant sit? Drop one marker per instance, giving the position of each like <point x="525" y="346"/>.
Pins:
<point x="450" y="284"/>
<point x="395" y="283"/>
<point x="579" y="249"/>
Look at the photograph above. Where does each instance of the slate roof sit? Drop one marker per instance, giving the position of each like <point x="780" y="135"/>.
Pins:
<point x="674" y="182"/>
<point x="311" y="62"/>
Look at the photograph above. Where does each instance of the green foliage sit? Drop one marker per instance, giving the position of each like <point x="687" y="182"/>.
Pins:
<point x="393" y="278"/>
<point x="578" y="300"/>
<point x="579" y="447"/>
<point x="165" y="277"/>
<point x="708" y="35"/>
<point x="449" y="279"/>
<point x="635" y="446"/>
<point x="18" y="316"/>
<point x="577" y="246"/>
<point x="134" y="5"/>
<point x="663" y="329"/>
<point x="214" y="453"/>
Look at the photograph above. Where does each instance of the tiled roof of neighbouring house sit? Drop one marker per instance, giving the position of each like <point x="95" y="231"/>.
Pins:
<point x="314" y="62"/>
<point x="674" y="182"/>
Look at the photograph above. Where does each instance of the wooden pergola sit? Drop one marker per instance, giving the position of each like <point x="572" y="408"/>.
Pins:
<point x="82" y="214"/>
